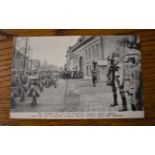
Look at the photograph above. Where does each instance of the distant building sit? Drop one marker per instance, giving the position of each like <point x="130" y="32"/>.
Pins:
<point x="80" y="56"/>
<point x="70" y="57"/>
<point x="20" y="61"/>
<point x="34" y="64"/>
<point x="53" y="68"/>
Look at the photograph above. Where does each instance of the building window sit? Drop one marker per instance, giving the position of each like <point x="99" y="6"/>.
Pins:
<point x="90" y="69"/>
<point x="87" y="70"/>
<point x="94" y="48"/>
<point x="90" y="53"/>
<point x="97" y="50"/>
<point x="86" y="54"/>
<point x="94" y="52"/>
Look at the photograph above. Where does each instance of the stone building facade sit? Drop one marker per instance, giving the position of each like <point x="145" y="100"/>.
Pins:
<point x="81" y="55"/>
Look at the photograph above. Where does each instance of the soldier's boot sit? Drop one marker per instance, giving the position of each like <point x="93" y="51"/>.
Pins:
<point x="139" y="105"/>
<point x="95" y="83"/>
<point x="55" y="86"/>
<point x="34" y="101"/>
<point x="41" y="88"/>
<point x="22" y="98"/>
<point x="124" y="104"/>
<point x="115" y="101"/>
<point x="133" y="106"/>
<point x="13" y="103"/>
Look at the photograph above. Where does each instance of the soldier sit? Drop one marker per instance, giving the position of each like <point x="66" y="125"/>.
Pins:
<point x="48" y="78"/>
<point x="54" y="79"/>
<point x="15" y="88"/>
<point x="120" y="79"/>
<point x="112" y="78"/>
<point x="23" y="79"/>
<point x="33" y="83"/>
<point x="126" y="79"/>
<point x="94" y="74"/>
<point x="72" y="74"/>
<point x="117" y="81"/>
<point x="132" y="83"/>
<point x="135" y="78"/>
<point x="138" y="90"/>
<point x="108" y="75"/>
<point x="41" y="78"/>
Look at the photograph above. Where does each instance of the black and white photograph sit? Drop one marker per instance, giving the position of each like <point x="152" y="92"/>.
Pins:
<point x="77" y="77"/>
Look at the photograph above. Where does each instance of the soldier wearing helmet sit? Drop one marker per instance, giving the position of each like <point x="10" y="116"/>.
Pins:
<point x="134" y="91"/>
<point x="16" y="85"/>
<point x="117" y="80"/>
<point x="33" y="84"/>
<point x="94" y="74"/>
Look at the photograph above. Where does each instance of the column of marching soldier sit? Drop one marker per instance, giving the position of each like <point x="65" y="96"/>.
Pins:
<point x="29" y="84"/>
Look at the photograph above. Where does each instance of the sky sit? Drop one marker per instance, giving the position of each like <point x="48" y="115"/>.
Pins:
<point x="53" y="49"/>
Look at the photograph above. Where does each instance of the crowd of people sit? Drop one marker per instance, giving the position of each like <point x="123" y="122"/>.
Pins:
<point x="29" y="84"/>
<point x="71" y="74"/>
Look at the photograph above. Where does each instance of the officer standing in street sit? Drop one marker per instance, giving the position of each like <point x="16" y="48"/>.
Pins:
<point x="33" y="84"/>
<point x="116" y="74"/>
<point x="134" y="91"/>
<point x="132" y="86"/>
<point x="23" y="79"/>
<point x="138" y="90"/>
<point x="112" y="78"/>
<point x="126" y="80"/>
<point x="94" y="74"/>
<point x="120" y="78"/>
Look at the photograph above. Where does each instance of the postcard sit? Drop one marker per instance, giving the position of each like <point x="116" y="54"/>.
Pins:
<point x="77" y="77"/>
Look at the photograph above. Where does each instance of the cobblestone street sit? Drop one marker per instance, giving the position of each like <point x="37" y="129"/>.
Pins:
<point x="77" y="95"/>
<point x="51" y="100"/>
<point x="83" y="97"/>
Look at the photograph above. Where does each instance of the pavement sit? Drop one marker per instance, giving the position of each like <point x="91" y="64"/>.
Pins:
<point x="50" y="100"/>
<point x="87" y="98"/>
<point x="73" y="95"/>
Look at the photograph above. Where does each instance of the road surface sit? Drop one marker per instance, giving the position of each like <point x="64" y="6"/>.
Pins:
<point x="76" y="95"/>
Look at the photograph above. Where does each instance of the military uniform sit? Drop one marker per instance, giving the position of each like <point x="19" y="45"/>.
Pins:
<point x="34" y="88"/>
<point x="94" y="76"/>
<point x="41" y="81"/>
<point x="133" y="83"/>
<point x="126" y="81"/>
<point x="117" y="72"/>
<point x="132" y="86"/>
<point x="54" y="79"/>
<point x="120" y="76"/>
<point x="114" y="86"/>
<point x="111" y="78"/>
<point x="135" y="88"/>
<point x="138" y="90"/>
<point x="15" y="89"/>
<point x="23" y="79"/>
